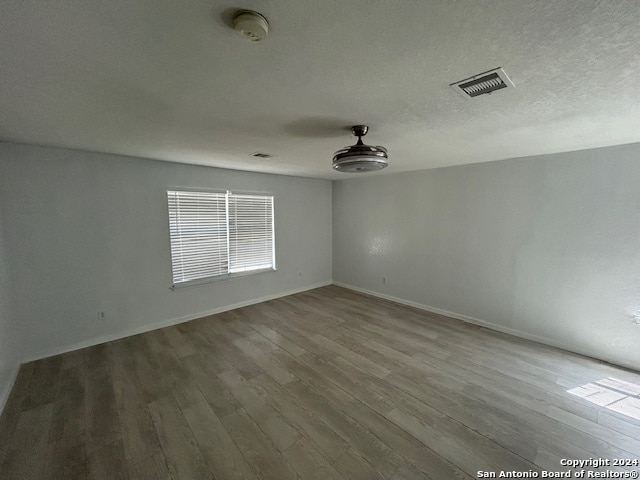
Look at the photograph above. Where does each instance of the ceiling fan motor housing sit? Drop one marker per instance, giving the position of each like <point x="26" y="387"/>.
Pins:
<point x="360" y="158"/>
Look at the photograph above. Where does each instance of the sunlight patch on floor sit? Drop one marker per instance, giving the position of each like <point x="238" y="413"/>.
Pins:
<point x="612" y="393"/>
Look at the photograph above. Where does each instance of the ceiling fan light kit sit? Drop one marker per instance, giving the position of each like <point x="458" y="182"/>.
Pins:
<point x="360" y="158"/>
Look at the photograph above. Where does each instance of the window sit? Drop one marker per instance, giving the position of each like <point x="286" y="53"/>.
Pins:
<point x="215" y="234"/>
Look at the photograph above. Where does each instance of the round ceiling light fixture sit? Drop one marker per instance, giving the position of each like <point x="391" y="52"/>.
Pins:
<point x="360" y="158"/>
<point x="251" y="25"/>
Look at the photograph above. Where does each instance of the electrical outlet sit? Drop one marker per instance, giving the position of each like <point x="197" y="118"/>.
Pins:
<point x="384" y="279"/>
<point x="102" y="315"/>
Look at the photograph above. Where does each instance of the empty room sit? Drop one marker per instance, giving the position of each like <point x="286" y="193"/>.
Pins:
<point x="319" y="240"/>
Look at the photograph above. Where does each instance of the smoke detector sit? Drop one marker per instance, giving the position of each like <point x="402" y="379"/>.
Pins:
<point x="360" y="158"/>
<point x="483" y="83"/>
<point x="251" y="25"/>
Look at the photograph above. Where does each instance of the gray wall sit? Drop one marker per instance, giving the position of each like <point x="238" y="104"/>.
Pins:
<point x="9" y="335"/>
<point x="546" y="247"/>
<point x="89" y="232"/>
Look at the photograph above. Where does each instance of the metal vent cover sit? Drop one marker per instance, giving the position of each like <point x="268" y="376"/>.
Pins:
<point x="266" y="156"/>
<point x="483" y="83"/>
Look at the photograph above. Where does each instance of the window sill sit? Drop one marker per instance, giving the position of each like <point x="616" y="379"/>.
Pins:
<point x="219" y="278"/>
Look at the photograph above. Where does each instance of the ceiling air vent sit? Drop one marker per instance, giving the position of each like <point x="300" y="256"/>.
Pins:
<point x="482" y="83"/>
<point x="265" y="156"/>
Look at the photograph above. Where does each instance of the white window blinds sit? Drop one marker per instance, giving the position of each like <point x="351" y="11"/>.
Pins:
<point x="198" y="231"/>
<point x="215" y="234"/>
<point x="250" y="232"/>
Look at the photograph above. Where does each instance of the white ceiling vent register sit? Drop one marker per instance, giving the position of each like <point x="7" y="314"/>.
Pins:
<point x="486" y="82"/>
<point x="266" y="156"/>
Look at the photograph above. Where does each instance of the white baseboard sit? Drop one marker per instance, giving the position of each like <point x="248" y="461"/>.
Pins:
<point x="168" y="323"/>
<point x="6" y="391"/>
<point x="483" y="323"/>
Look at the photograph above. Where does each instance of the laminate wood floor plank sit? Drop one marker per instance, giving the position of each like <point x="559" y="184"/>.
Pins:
<point x="230" y="328"/>
<point x="369" y="415"/>
<point x="202" y="342"/>
<point x="383" y="458"/>
<point x="409" y="472"/>
<point x="315" y="370"/>
<point x="180" y="344"/>
<point x="240" y="362"/>
<point x="172" y="375"/>
<point x="151" y="468"/>
<point x="494" y="424"/>
<point x="263" y="456"/>
<point x="136" y="425"/>
<point x="68" y="418"/>
<point x="350" y="355"/>
<point x="221" y="453"/>
<point x="616" y="421"/>
<point x="180" y="448"/>
<point x="279" y="340"/>
<point x="355" y="343"/>
<point x="328" y="383"/>
<point x="627" y="443"/>
<point x="72" y="359"/>
<point x="66" y="459"/>
<point x="43" y="383"/>
<point x="354" y="467"/>
<point x="294" y="335"/>
<point x="326" y="441"/>
<point x="415" y="452"/>
<point x="519" y="391"/>
<point x="216" y="394"/>
<point x="263" y="414"/>
<point x="308" y="463"/>
<point x="146" y="368"/>
<point x="102" y="422"/>
<point x="550" y="430"/>
<point x="108" y="463"/>
<point x="450" y="448"/>
<point x="386" y="336"/>
<point x="11" y="414"/>
<point x="477" y="367"/>
<point x="27" y="454"/>
<point x="270" y="366"/>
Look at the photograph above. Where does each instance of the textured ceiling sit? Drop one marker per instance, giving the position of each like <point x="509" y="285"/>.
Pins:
<point x="171" y="80"/>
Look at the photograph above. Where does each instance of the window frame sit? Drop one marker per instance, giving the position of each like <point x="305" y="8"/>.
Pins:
<point x="226" y="276"/>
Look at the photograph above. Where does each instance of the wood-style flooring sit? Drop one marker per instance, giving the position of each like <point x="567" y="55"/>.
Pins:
<point x="326" y="384"/>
